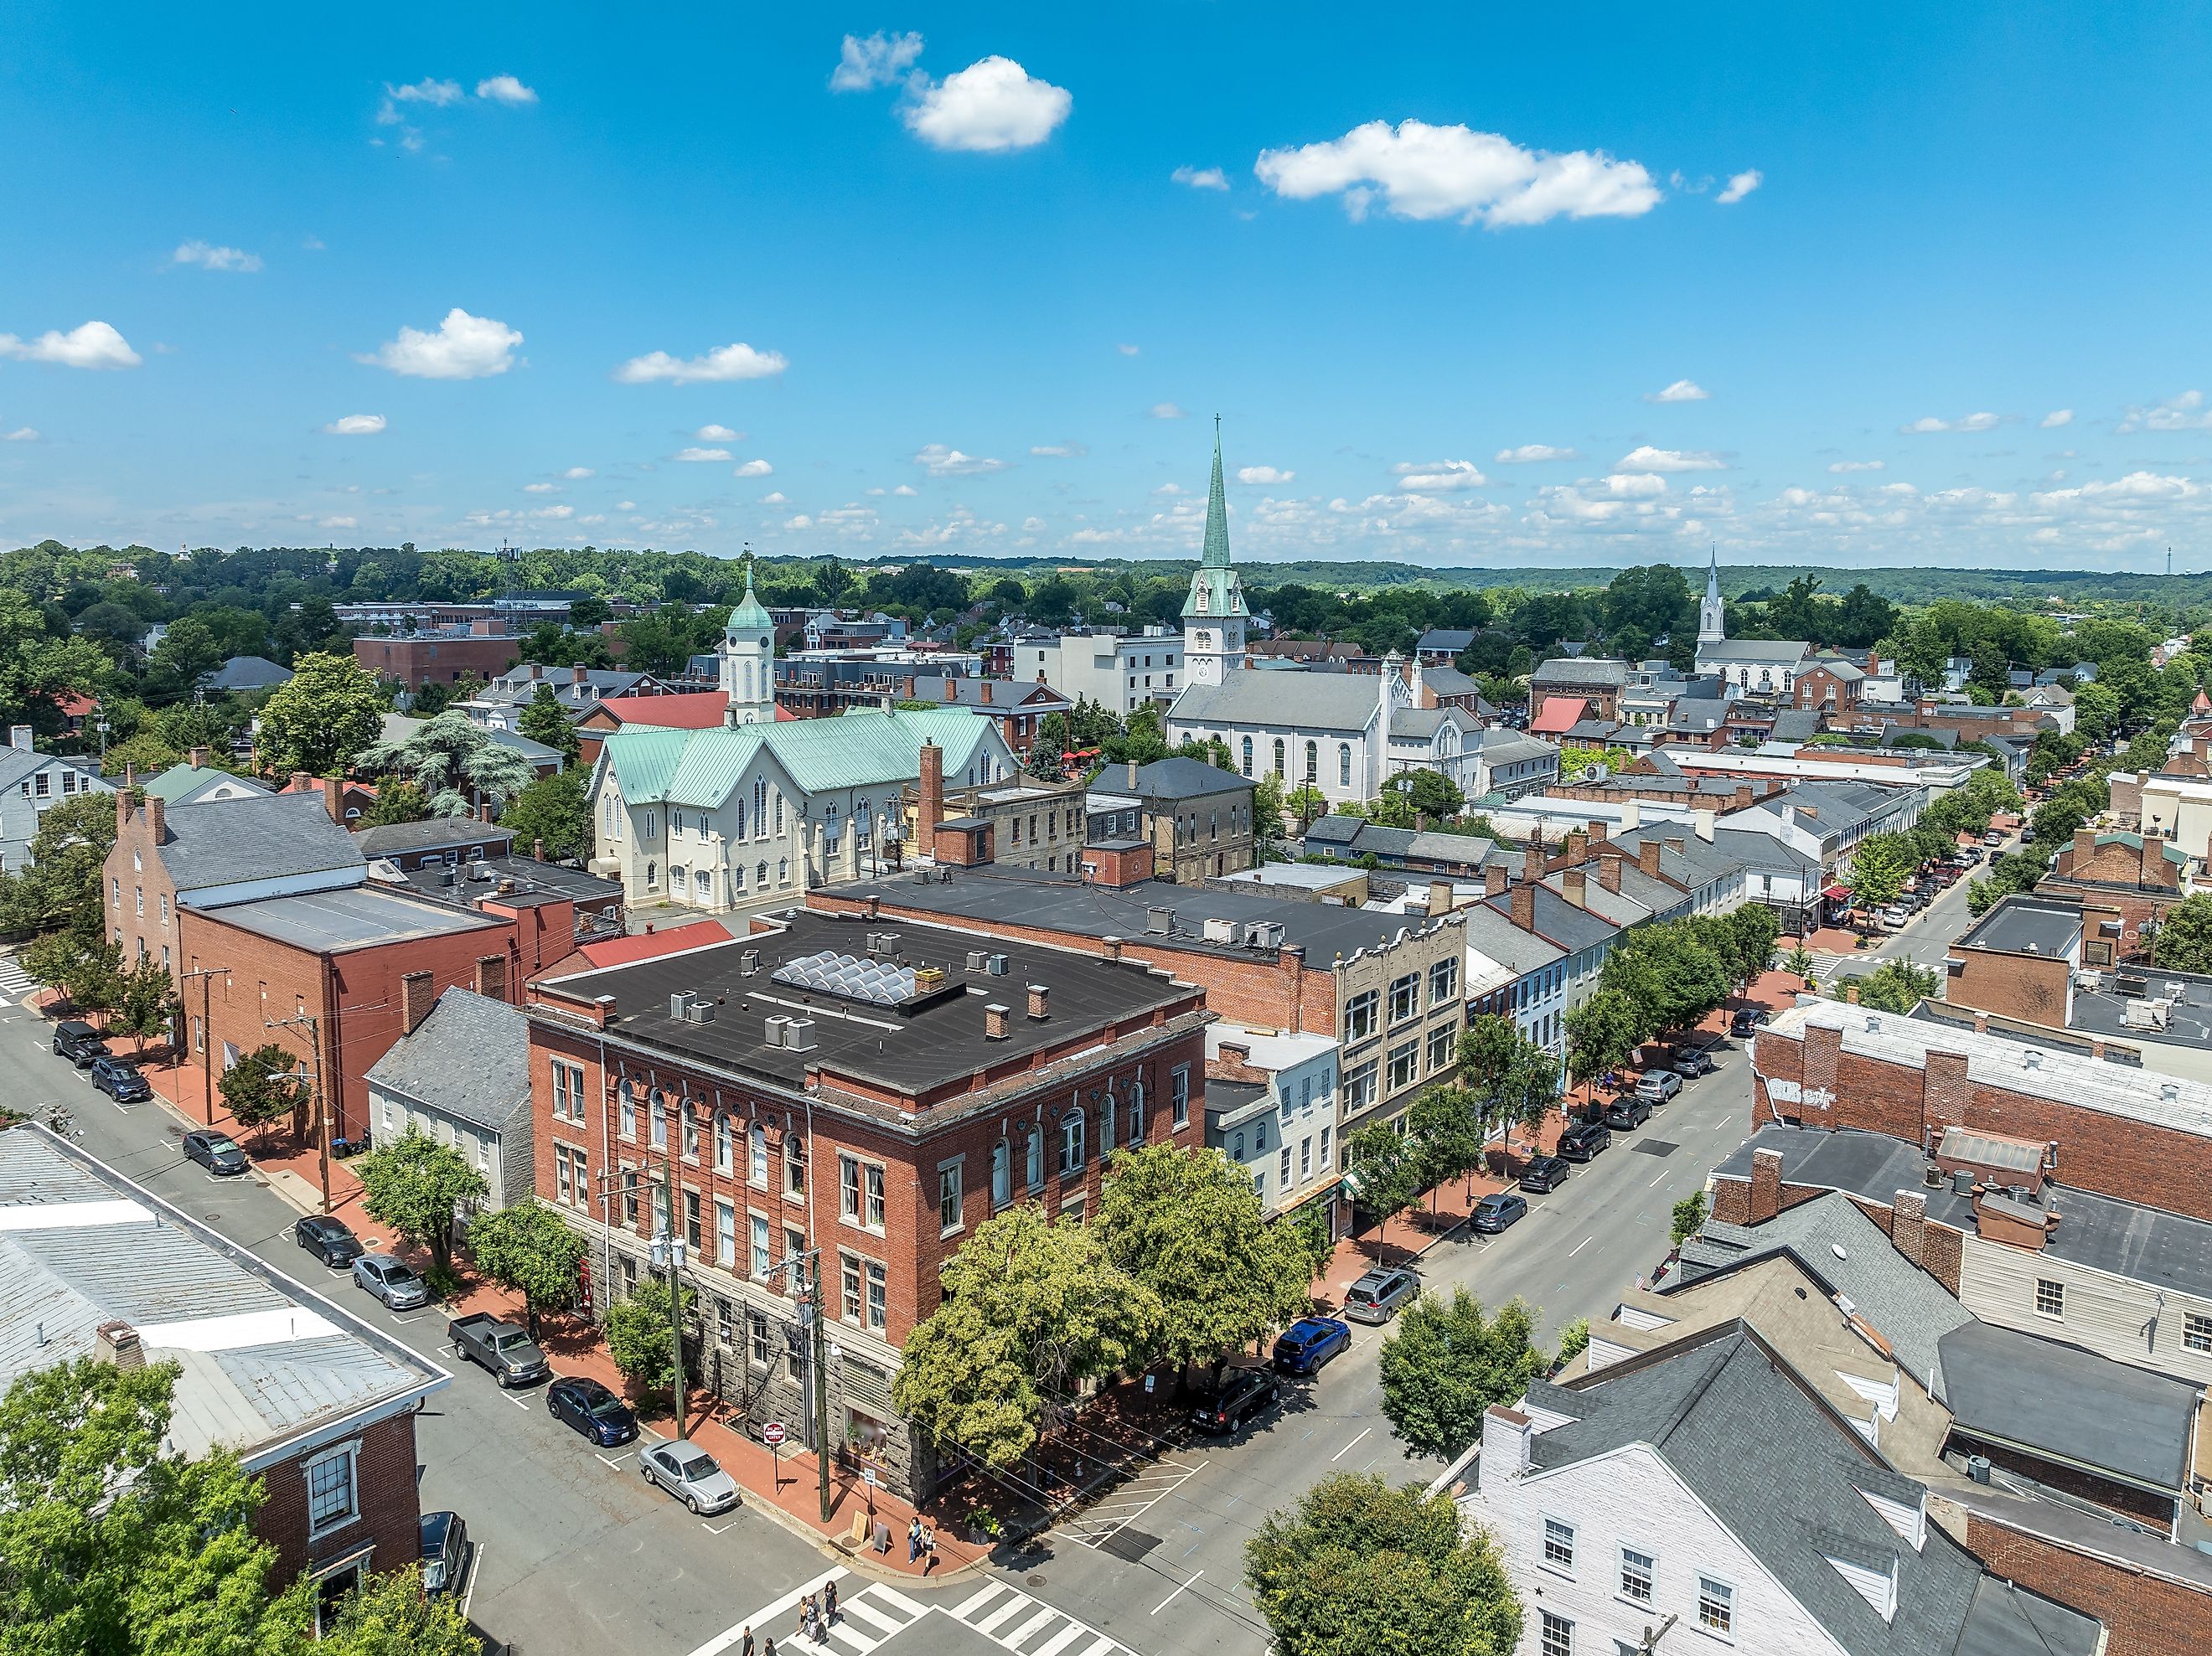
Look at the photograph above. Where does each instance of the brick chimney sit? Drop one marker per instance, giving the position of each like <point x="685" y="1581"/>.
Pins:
<point x="198" y="759"/>
<point x="301" y="782"/>
<point x="580" y="673"/>
<point x="994" y="1021"/>
<point x="1524" y="905"/>
<point x="947" y="688"/>
<point x="334" y="799"/>
<point x="1766" y="1185"/>
<point x="537" y="670"/>
<point x="909" y="687"/>
<point x="932" y="789"/>
<point x="2085" y="847"/>
<point x="538" y="850"/>
<point x="119" y="1344"/>
<point x="985" y="688"/>
<point x="491" y="976"/>
<point x="1647" y="857"/>
<point x="1597" y="834"/>
<point x="1440" y="895"/>
<point x="1493" y="879"/>
<point x="157" y="819"/>
<point x="416" y="997"/>
<point x="1577" y="882"/>
<point x="1908" y="1224"/>
<point x="1608" y="873"/>
<point x="1040" y="1002"/>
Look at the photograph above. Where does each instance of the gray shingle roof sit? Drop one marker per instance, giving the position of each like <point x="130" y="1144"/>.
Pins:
<point x="246" y="673"/>
<point x="1755" y="650"/>
<point x="1567" y="670"/>
<point x="227" y="841"/>
<point x="1179" y="778"/>
<point x="469" y="1060"/>
<point x="432" y="833"/>
<point x="1307" y="702"/>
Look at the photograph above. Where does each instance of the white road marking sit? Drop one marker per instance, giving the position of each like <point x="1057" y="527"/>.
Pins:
<point x="712" y="1530"/>
<point x="898" y="1600"/>
<point x="1350" y="1446"/>
<point x="1654" y="1182"/>
<point x="766" y="1617"/>
<point x="991" y="1590"/>
<point x="1004" y="1613"/>
<point x="1580" y="1245"/>
<point x="476" y="1568"/>
<point x="1059" y="1640"/>
<point x="519" y="1403"/>
<point x="870" y="1614"/>
<point x="1177" y="1593"/>
<point x="1028" y="1629"/>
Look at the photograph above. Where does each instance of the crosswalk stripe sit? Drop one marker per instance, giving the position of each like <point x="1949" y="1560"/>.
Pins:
<point x="1102" y="1648"/>
<point x="867" y="1612"/>
<point x="1026" y="1629"/>
<point x="842" y="1629"/>
<point x="1004" y="1613"/>
<point x="765" y="1618"/>
<point x="898" y="1601"/>
<point x="991" y="1590"/>
<point x="1059" y="1640"/>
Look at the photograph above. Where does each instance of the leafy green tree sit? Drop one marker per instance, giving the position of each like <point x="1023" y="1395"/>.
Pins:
<point x="398" y="799"/>
<point x="1448" y="1126"/>
<point x="1355" y="1568"/>
<point x="528" y="1248"/>
<point x="555" y="811"/>
<point x="1268" y="807"/>
<point x="1602" y="1036"/>
<point x="449" y="757"/>
<point x="1447" y="1362"/>
<point x="1799" y="962"/>
<point x="1429" y="794"/>
<point x="188" y="651"/>
<point x="1668" y="974"/>
<point x="1390" y="809"/>
<point x="639" y="1338"/>
<point x="549" y="645"/>
<point x="60" y="887"/>
<point x="1898" y="986"/>
<point x="113" y="1545"/>
<point x="544" y="719"/>
<point x="1879" y="868"/>
<point x="263" y="1086"/>
<point x="1574" y="1340"/>
<point x="417" y="1185"/>
<point x="144" y="755"/>
<point x="2009" y="871"/>
<point x="1383" y="1170"/>
<point x="84" y="967"/>
<point x="387" y="1615"/>
<point x="1753" y="930"/>
<point x="2182" y="941"/>
<point x="1307" y="803"/>
<point x="1190" y="1230"/>
<point x="1031" y="1307"/>
<point x="322" y="721"/>
<point x="145" y="1001"/>
<point x="1687" y="1219"/>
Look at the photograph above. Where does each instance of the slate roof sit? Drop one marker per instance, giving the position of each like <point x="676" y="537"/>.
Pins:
<point x="1449" y="681"/>
<point x="1183" y="778"/>
<point x="246" y="673"/>
<point x="1342" y="703"/>
<point x="1421" y="724"/>
<point x="1590" y="669"/>
<point x="1007" y="695"/>
<point x="1789" y="1479"/>
<point x="1504" y="747"/>
<point x="1493" y="936"/>
<point x="1784" y="651"/>
<point x="229" y="841"/>
<point x="469" y="1060"/>
<point x="1454" y="639"/>
<point x="1795" y="725"/>
<point x="431" y="833"/>
<point x="1573" y="929"/>
<point x="857" y="749"/>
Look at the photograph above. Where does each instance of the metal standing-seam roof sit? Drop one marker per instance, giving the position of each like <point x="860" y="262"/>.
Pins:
<point x="857" y="749"/>
<point x="1340" y="703"/>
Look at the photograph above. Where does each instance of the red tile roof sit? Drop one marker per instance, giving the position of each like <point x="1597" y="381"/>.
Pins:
<point x="76" y="705"/>
<point x="1559" y="715"/>
<point x="701" y="710"/>
<point x="651" y="945"/>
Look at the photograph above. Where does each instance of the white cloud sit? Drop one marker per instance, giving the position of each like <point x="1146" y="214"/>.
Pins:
<point x="625" y="506"/>
<point x="575" y="473"/>
<point x="356" y="425"/>
<point x="1840" y="467"/>
<point x="553" y="514"/>
<point x="1634" y="485"/>
<point x="942" y="461"/>
<point x="802" y="521"/>
<point x="88" y="345"/>
<point x="1201" y="178"/>
<point x="506" y="89"/>
<point x="879" y="60"/>
<point x="1263" y="475"/>
<point x="340" y="523"/>
<point x="1530" y="453"/>
<point x="774" y="497"/>
<point x="701" y="454"/>
<point x="1682" y="390"/>
<point x="464" y="348"/>
<point x="1928" y="424"/>
<point x="1126" y="350"/>
<point x="994" y="104"/>
<point x="1166" y="411"/>
<point x="908" y="489"/>
<point x="21" y="434"/>
<point x="436" y="93"/>
<point x="714" y="433"/>
<point x="1425" y="171"/>
<point x="753" y="469"/>
<point x="208" y="257"/>
<point x="2057" y="418"/>
<point x="1740" y="186"/>
<point x="2186" y="412"/>
<point x="539" y="488"/>
<point x="1648" y="458"/>
<point x="1437" y="476"/>
<point x="737" y="361"/>
<point x="1059" y="451"/>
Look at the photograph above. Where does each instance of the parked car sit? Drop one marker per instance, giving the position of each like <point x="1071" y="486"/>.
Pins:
<point x="1376" y="1297"/>
<point x="692" y="1475"/>
<point x="592" y="1409"/>
<point x="1307" y="1343"/>
<point x="1748" y="1020"/>
<point x="1243" y="1393"/>
<point x="1498" y="1210"/>
<point x="120" y="1081"/>
<point x="1632" y="1111"/>
<point x="329" y="1240"/>
<point x="1544" y="1173"/>
<point x="79" y="1042"/>
<point x="1584" y="1140"/>
<point x="215" y="1151"/>
<point x="391" y="1281"/>
<point x="513" y="1357"/>
<point x="1688" y="1061"/>
<point x="1656" y="1087"/>
<point x="1895" y="917"/>
<point x="445" y="1552"/>
<point x="1993" y="838"/>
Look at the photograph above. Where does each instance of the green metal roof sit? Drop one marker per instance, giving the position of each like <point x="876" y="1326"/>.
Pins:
<point x="749" y="616"/>
<point x="857" y="749"/>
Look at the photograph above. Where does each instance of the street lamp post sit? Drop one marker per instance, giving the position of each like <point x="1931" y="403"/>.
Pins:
<point x="207" y="1044"/>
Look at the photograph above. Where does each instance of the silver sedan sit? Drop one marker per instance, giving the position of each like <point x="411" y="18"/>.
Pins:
<point x="690" y="1474"/>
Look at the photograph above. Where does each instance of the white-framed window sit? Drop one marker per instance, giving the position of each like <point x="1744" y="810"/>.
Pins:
<point x="1002" y="1173"/>
<point x="872" y="1176"/>
<point x="1405" y="1065"/>
<point x="762" y="1263"/>
<point x="1637" y="1568"/>
<point x="878" y="1297"/>
<point x="1441" y="1040"/>
<point x="757" y="1345"/>
<point x="1071" y="1143"/>
<point x="1033" y="1157"/>
<point x="1405" y="997"/>
<point x="628" y="1110"/>
<point x="568" y="1090"/>
<point x="1443" y="982"/>
<point x="849" y="1273"/>
<point x="1179" y="1095"/>
<point x="848" y="1189"/>
<point x="2196" y="1331"/>
<point x="1362" y="1016"/>
<point x="1556" y="1635"/>
<point x="333" y="1498"/>
<point x="691" y="1131"/>
<point x="2050" y="1298"/>
<point x="726" y="1232"/>
<point x="1282" y="1173"/>
<point x="756" y="1157"/>
<point x="657" y="1113"/>
<point x="794" y="1165"/>
<point x="1715" y="1605"/>
<point x="948" y="1198"/>
<point x="724" y="1149"/>
<point x="1560" y="1545"/>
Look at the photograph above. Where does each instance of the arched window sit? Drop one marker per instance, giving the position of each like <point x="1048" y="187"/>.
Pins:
<point x="1247" y="756"/>
<point x="1071" y="1143"/>
<point x="1344" y="764"/>
<point x="737" y="829"/>
<point x="1002" y="1174"/>
<point x="652" y="875"/>
<point x="1036" y="1158"/>
<point x="737" y="877"/>
<point x="830" y="832"/>
<point x="779" y="813"/>
<point x="1237" y="1147"/>
<point x="760" y="807"/>
<point x="1279" y="755"/>
<point x="783" y="870"/>
<point x="703" y="879"/>
<point x="1313" y="760"/>
<point x="760" y="876"/>
<point x="863" y="823"/>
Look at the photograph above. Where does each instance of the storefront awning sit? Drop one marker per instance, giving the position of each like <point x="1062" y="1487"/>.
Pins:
<point x="1836" y="894"/>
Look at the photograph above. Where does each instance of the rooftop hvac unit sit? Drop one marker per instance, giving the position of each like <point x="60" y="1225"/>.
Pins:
<point x="679" y="1003"/>
<point x="996" y="966"/>
<point x="479" y="871"/>
<point x="777" y="1026"/>
<point x="1219" y="930"/>
<point x="1962" y="1181"/>
<point x="446" y="878"/>
<point x="702" y="1010"/>
<point x="1263" y="934"/>
<point x="749" y="962"/>
<point x="1159" y="921"/>
<point x="978" y="960"/>
<point x="799" y="1035"/>
<point x="883" y="944"/>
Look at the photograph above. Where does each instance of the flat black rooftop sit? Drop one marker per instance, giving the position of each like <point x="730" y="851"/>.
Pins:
<point x="2188" y="996"/>
<point x="1014" y="897"/>
<point x="2028" y="926"/>
<point x="911" y="1051"/>
<point x="534" y="882"/>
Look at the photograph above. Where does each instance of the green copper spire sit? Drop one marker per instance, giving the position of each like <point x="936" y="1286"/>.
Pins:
<point x="749" y="614"/>
<point x="1217" y="512"/>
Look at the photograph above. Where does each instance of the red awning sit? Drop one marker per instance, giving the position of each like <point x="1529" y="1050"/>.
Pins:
<point x="1836" y="894"/>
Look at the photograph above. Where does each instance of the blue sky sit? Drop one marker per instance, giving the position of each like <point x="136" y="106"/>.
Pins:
<point x="974" y="281"/>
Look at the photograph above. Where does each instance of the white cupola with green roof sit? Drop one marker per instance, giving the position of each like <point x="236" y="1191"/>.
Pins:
<point x="748" y="660"/>
<point x="1214" y="614"/>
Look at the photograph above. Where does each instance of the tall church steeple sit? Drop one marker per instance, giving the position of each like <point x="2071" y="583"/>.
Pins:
<point x="1711" y="627"/>
<point x="1214" y="614"/>
<point x="748" y="660"/>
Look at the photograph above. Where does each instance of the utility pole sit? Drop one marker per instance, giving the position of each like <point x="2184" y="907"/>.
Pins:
<point x="207" y="1036"/>
<point x="671" y="1244"/>
<point x="316" y="1091"/>
<point x="820" y="1388"/>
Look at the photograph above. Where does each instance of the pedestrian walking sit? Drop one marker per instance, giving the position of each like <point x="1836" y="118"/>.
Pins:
<point x="928" y="1550"/>
<point x="829" y="1602"/>
<point x="914" y="1540"/>
<point x="747" y="1649"/>
<point x="769" y="1649"/>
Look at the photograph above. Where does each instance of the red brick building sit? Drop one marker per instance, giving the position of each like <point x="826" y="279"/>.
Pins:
<point x="2139" y="877"/>
<point x="849" y="1094"/>
<point x="440" y="658"/>
<point x="1828" y="684"/>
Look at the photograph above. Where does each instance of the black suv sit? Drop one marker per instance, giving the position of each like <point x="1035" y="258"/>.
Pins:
<point x="1625" y="1113"/>
<point x="1544" y="1173"/>
<point x="120" y="1081"/>
<point x="332" y="1240"/>
<point x="1584" y="1140"/>
<point x="1244" y="1392"/>
<point x="79" y="1042"/>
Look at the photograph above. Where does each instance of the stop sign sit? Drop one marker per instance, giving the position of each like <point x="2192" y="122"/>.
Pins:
<point x="772" y="1432"/>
